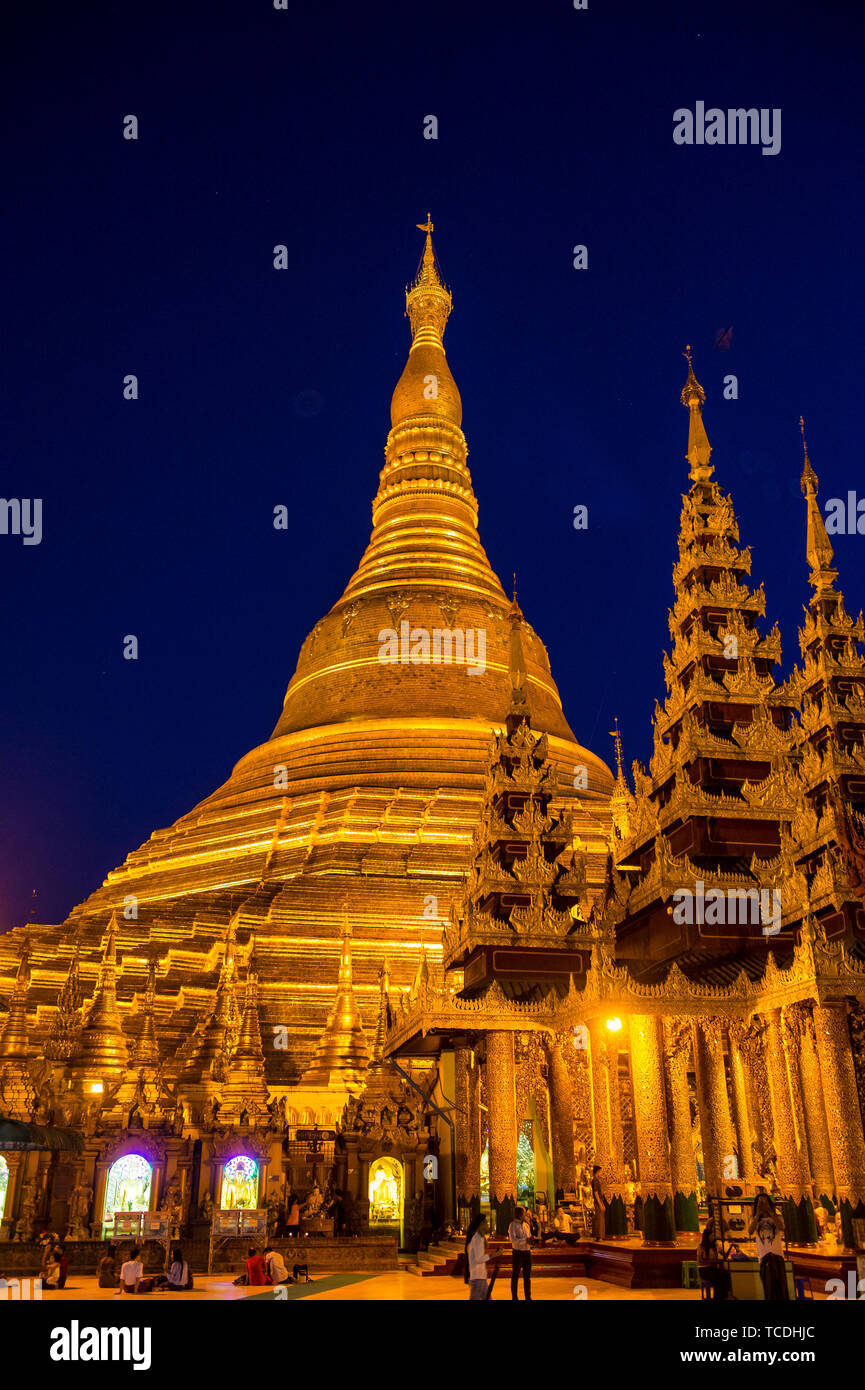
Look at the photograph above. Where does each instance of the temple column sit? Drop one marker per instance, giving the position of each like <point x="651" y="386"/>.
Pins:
<point x="16" y="1162"/>
<point x="716" y="1126"/>
<point x="467" y="1124"/>
<point x="683" y="1169"/>
<point x="744" y="1124"/>
<point x="792" y="1178"/>
<point x="607" y="1117"/>
<point x="561" y="1118"/>
<point x="843" y="1116"/>
<point x="502" y="1120"/>
<point x="814" y="1109"/>
<point x="650" y="1116"/>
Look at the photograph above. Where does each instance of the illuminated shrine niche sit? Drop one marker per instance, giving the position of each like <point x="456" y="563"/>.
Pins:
<point x="385" y="1191"/>
<point x="526" y="1164"/>
<point x="239" y="1183"/>
<point x="4" y="1184"/>
<point x="485" y="1175"/>
<point x="129" y="1185"/>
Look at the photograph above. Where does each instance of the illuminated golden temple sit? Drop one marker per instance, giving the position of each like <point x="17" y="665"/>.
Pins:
<point x="423" y="947"/>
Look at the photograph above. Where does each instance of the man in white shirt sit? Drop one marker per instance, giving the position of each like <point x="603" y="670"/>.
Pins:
<point x="275" y="1266"/>
<point x="519" y="1233"/>
<point x="131" y="1272"/>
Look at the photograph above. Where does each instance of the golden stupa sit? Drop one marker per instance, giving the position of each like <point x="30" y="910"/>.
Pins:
<point x="366" y="794"/>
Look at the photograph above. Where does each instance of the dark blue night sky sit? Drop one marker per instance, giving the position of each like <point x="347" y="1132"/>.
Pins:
<point x="258" y="387"/>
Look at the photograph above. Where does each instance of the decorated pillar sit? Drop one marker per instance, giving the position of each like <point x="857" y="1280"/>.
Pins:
<point x="502" y="1120"/>
<point x="800" y="1019"/>
<point x="843" y="1116"/>
<point x="744" y="1120"/>
<point x="561" y="1118"/>
<point x="716" y="1126"/>
<point x="650" y="1115"/>
<point x="467" y="1125"/>
<point x="683" y="1169"/>
<point x="16" y="1163"/>
<point x="606" y="1108"/>
<point x="793" y="1177"/>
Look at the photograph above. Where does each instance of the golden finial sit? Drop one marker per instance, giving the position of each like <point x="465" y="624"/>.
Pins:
<point x="616" y="735"/>
<point x="818" y="546"/>
<point x="699" y="448"/>
<point x="426" y="226"/>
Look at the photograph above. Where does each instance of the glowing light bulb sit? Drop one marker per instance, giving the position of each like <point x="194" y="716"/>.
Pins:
<point x="614" y="1024"/>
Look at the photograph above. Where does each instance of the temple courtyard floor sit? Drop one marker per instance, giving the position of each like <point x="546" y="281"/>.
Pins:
<point x="392" y="1287"/>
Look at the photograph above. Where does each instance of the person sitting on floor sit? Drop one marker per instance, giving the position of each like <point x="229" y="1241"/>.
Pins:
<point x="107" y="1272"/>
<point x="276" y="1270"/>
<point x="256" y="1269"/>
<point x="51" y="1270"/>
<point x="179" y="1273"/>
<point x="131" y="1272"/>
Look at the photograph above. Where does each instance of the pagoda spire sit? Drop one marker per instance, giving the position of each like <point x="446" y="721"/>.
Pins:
<point x="13" y="1038"/>
<point x="145" y="1051"/>
<point x="220" y="1030"/>
<point x="425" y="513"/>
<point x="818" y="546"/>
<point x="699" y="448"/>
<point x="101" y="1047"/>
<point x="67" y="1023"/>
<point x="342" y="1055"/>
<point x="383" y="1015"/>
<point x="620" y="796"/>
<point x="249" y="1053"/>
<point x="517" y="662"/>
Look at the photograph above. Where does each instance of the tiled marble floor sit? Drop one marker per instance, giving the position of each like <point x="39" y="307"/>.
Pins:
<point x="391" y="1287"/>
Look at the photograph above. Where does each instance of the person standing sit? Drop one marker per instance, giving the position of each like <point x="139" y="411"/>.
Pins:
<point x="337" y="1211"/>
<point x="599" y="1205"/>
<point x="767" y="1226"/>
<point x="62" y="1261"/>
<point x="519" y="1233"/>
<point x="476" y="1259"/>
<point x="293" y="1223"/>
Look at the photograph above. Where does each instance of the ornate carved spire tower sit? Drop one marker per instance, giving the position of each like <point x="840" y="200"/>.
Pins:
<point x="830" y="683"/>
<point x="719" y="778"/>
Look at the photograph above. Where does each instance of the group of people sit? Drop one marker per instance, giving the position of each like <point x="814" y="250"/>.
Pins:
<point x="131" y="1278"/>
<point x="476" y="1257"/>
<point x="268" y="1267"/>
<point x="767" y="1227"/>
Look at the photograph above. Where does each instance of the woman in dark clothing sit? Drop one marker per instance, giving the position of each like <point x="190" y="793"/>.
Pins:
<point x="711" y="1271"/>
<point x="108" y="1269"/>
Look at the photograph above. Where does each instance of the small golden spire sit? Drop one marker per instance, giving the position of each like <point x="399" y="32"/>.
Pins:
<point x="342" y="1054"/>
<point x="101" y="1048"/>
<point x="616" y="736"/>
<point x="13" y="1039"/>
<point x="818" y="546"/>
<point x="621" y="793"/>
<point x="699" y="448"/>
